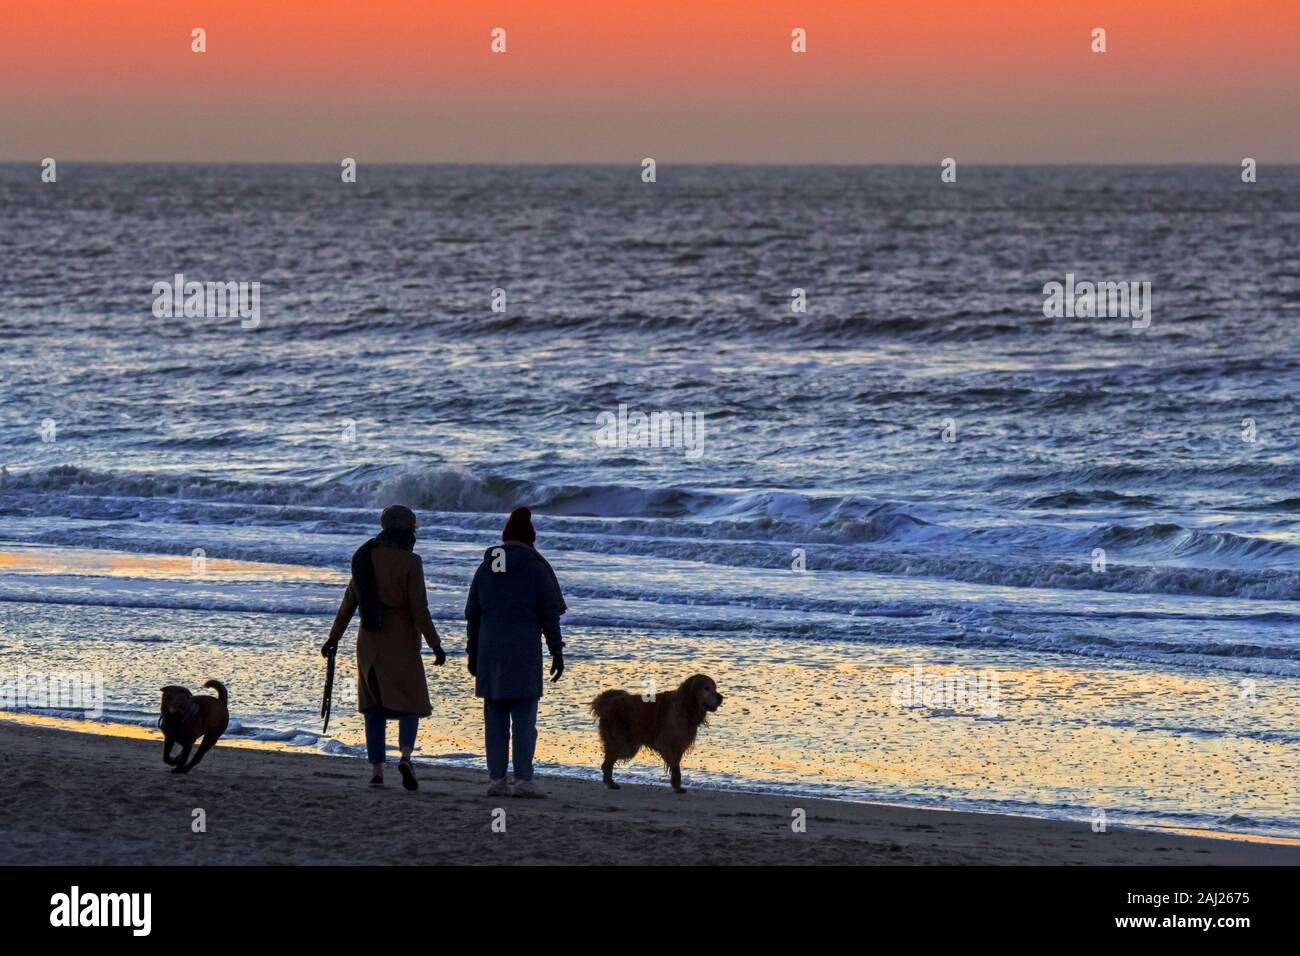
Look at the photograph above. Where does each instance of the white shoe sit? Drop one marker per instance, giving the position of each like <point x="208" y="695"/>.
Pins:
<point x="526" y="788"/>
<point x="498" y="788"/>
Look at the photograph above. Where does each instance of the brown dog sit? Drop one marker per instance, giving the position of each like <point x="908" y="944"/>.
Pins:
<point x="186" y="717"/>
<point x="667" y="724"/>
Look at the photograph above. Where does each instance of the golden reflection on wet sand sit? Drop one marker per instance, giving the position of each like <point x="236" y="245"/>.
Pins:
<point x="161" y="567"/>
<point x="1088" y="735"/>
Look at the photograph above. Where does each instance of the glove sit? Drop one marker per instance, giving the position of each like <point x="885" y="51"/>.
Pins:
<point x="557" y="667"/>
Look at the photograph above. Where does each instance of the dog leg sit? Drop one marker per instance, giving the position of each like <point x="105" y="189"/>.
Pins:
<point x="207" y="744"/>
<point x="607" y="771"/>
<point x="168" y="743"/>
<point x="675" y="772"/>
<point x="179" y="766"/>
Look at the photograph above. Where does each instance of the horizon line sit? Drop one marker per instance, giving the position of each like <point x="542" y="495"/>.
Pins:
<point x="637" y="162"/>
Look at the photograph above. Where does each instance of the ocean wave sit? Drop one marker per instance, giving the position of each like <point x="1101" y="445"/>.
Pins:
<point x="70" y="480"/>
<point x="1175" y="541"/>
<point x="1110" y="476"/>
<point x="739" y="528"/>
<point x="1100" y="496"/>
<point x="1283" y="506"/>
<point x="452" y="489"/>
<point x="873" y="623"/>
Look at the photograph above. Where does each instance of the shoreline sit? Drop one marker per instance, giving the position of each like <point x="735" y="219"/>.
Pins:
<point x="629" y="777"/>
<point x="1068" y="733"/>
<point x="108" y="799"/>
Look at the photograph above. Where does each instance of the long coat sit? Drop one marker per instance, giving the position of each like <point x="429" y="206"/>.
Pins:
<point x="513" y="601"/>
<point x="390" y="671"/>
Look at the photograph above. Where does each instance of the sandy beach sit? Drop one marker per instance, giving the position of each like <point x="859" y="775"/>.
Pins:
<point x="91" y="799"/>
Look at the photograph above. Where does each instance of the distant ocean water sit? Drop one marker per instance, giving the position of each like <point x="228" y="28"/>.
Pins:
<point x="380" y="373"/>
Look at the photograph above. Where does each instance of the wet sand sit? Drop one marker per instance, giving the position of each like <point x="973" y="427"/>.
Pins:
<point x="88" y="799"/>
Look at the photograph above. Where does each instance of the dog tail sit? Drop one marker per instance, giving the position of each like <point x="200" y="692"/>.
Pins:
<point x="604" y="702"/>
<point x="219" y="687"/>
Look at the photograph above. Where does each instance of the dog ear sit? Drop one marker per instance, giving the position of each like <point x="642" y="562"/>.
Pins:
<point x="694" y="686"/>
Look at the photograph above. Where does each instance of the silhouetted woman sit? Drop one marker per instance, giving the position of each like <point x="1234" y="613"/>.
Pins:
<point x="388" y="585"/>
<point x="514" y="601"/>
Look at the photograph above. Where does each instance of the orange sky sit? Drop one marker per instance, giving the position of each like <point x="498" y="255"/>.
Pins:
<point x="680" y="80"/>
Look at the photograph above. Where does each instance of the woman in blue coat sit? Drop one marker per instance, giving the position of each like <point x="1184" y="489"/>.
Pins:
<point x="513" y="603"/>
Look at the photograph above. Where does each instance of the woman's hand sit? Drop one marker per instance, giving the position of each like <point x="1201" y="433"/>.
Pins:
<point x="435" y="644"/>
<point x="328" y="648"/>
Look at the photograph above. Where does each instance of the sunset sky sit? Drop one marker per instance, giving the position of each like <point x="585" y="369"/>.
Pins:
<point x="679" y="80"/>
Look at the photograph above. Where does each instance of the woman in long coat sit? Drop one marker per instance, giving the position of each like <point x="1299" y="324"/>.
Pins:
<point x="388" y="586"/>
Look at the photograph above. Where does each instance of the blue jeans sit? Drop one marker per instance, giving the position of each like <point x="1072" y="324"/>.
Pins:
<point x="498" y="716"/>
<point x="377" y="728"/>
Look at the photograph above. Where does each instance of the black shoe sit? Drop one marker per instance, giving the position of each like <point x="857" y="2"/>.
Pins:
<point x="408" y="775"/>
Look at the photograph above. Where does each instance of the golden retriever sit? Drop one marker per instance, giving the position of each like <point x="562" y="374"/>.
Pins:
<point x="667" y="724"/>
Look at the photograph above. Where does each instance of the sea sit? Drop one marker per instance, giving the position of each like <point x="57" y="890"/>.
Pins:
<point x="939" y="543"/>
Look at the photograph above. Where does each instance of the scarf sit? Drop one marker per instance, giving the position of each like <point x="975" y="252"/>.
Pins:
<point x="363" y="575"/>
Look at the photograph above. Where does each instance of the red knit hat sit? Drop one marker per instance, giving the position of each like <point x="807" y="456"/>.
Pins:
<point x="520" y="527"/>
